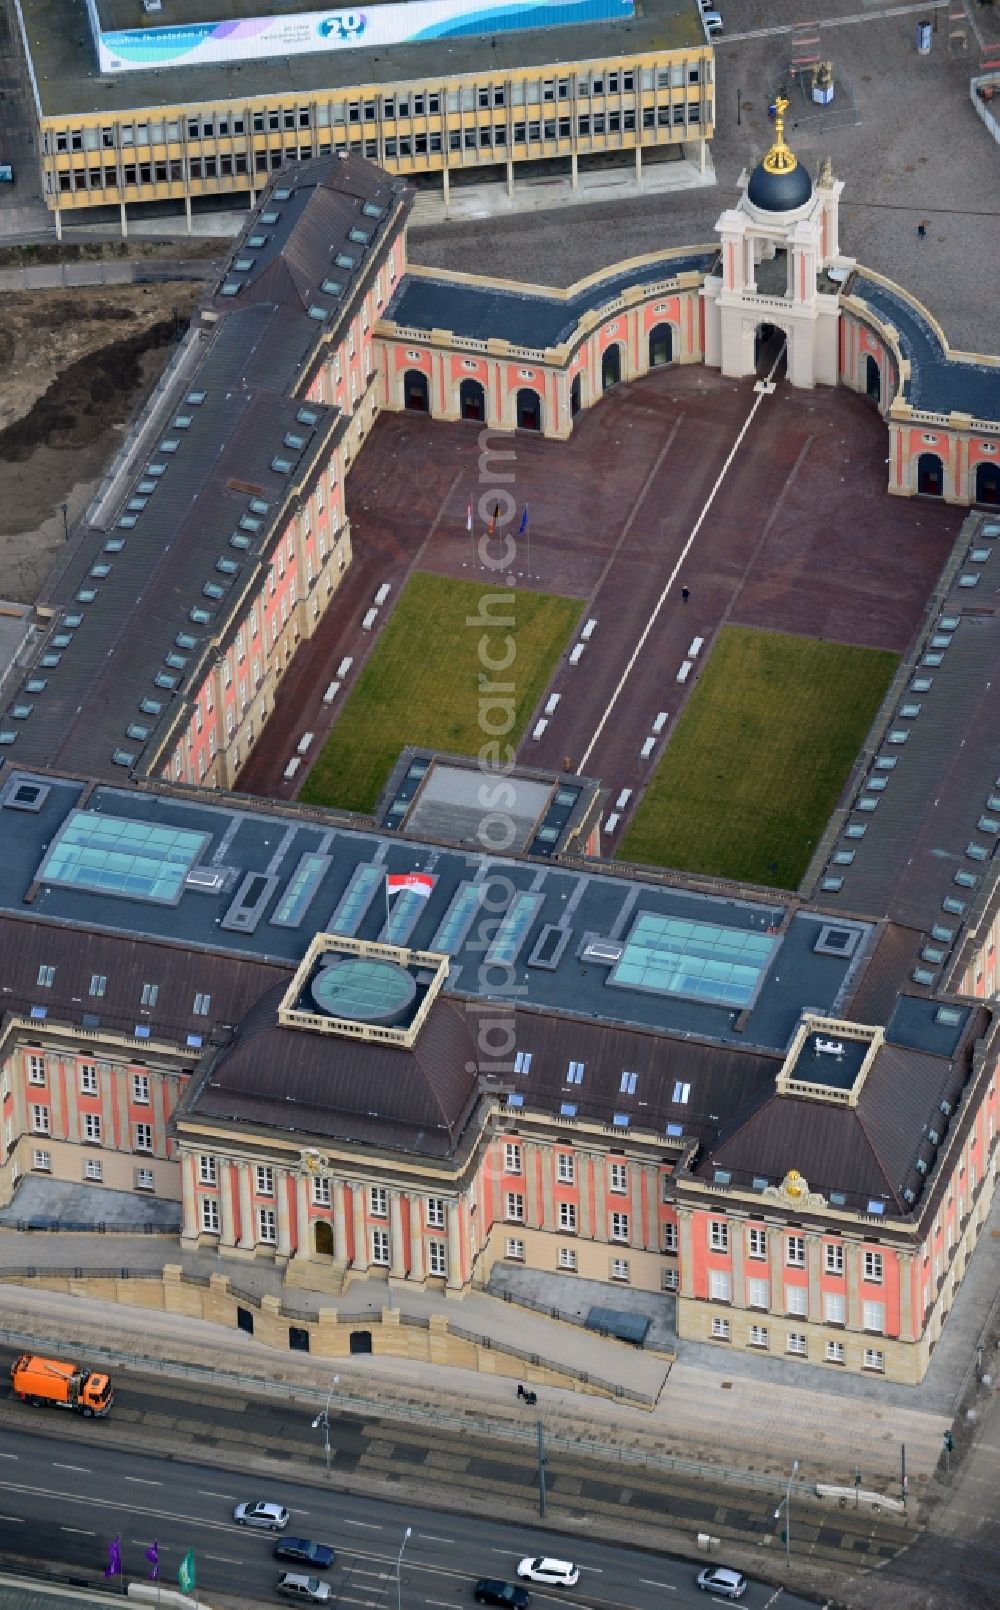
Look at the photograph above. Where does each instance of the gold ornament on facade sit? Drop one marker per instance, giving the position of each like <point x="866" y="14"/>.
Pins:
<point x="794" y="1192"/>
<point x="779" y="158"/>
<point x="314" y="1162"/>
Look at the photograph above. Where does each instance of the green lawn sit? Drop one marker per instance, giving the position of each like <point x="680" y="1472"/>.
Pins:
<point x="422" y="682"/>
<point x="755" y="767"/>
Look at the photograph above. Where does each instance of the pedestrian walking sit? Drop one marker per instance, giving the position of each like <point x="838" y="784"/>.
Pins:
<point x="685" y="594"/>
<point x="921" y="231"/>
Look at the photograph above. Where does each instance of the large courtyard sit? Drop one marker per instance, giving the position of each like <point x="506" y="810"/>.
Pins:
<point x="800" y="537"/>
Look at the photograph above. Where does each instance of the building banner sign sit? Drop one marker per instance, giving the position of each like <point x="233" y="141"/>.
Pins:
<point x="256" y="38"/>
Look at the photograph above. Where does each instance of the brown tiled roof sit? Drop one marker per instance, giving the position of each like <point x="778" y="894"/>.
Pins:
<point x="890" y="964"/>
<point x="274" y="1077"/>
<point x="127" y="964"/>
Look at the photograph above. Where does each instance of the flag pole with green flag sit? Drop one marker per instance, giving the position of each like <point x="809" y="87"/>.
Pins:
<point x="186" y="1577"/>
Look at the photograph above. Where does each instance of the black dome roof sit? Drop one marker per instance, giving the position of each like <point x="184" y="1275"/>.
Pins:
<point x="781" y="191"/>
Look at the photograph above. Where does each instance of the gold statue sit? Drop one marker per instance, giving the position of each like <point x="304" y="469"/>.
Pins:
<point x="779" y="158"/>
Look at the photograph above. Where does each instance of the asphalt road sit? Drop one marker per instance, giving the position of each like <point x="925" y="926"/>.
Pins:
<point x="62" y="1501"/>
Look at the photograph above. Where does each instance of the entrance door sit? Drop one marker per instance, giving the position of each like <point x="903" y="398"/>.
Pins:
<point x="611" y="367"/>
<point x="873" y="379"/>
<point x="661" y="345"/>
<point x="988" y="483"/>
<point x="930" y="475"/>
<point x="529" y="409"/>
<point x="575" y="401"/>
<point x="323" y="1239"/>
<point x="415" y="391"/>
<point x="472" y="400"/>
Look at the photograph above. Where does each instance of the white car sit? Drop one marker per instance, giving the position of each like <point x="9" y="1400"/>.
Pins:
<point x="306" y="1589"/>
<point x="723" y="1582"/>
<point x="272" y="1517"/>
<point x="551" y="1573"/>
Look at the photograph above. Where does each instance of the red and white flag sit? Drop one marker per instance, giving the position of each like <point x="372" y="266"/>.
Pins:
<point x="468" y="516"/>
<point x="421" y="883"/>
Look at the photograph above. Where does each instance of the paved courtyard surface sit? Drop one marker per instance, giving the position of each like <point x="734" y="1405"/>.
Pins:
<point x="801" y="536"/>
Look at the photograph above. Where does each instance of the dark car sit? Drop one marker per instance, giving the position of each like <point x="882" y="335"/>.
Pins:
<point x="299" y="1551"/>
<point x="488" y="1590"/>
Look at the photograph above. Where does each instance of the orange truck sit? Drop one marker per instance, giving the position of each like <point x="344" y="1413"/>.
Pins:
<point x="44" y="1381"/>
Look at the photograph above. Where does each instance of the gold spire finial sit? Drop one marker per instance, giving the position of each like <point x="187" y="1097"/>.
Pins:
<point x="779" y="158"/>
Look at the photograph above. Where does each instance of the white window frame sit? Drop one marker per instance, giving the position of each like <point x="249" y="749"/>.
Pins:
<point x="513" y="1207"/>
<point x="758" y="1293"/>
<point x="565" y="1168"/>
<point x="322" y="1191"/>
<point x="437" y="1257"/>
<point x="92" y="1127"/>
<point x="145" y="1181"/>
<point x="378" y="1202"/>
<point x="208" y="1169"/>
<point x="873" y="1318"/>
<point x="567" y="1216"/>
<point x="41" y="1162"/>
<point x="210" y="1217"/>
<point x="435" y="1212"/>
<point x="93" y="1169"/>
<point x="41" y="1119"/>
<point x="833" y="1258"/>
<point x="88" y="1079"/>
<point x="797" y="1301"/>
<point x="140" y="1089"/>
<point x="621" y="1270"/>
<point x="512" y="1157"/>
<point x="722" y="1329"/>
<point x="514" y="1249"/>
<point x="834" y="1308"/>
<point x="620" y="1228"/>
<point x="720" y="1286"/>
<point x="381" y="1254"/>
<point x="757" y="1244"/>
<point x="143" y="1138"/>
<point x="36" y="1071"/>
<point x="618" y="1181"/>
<point x="759" y="1337"/>
<point x="795" y="1252"/>
<point x="671" y="1239"/>
<point x="567" y="1260"/>
<point x="797" y="1344"/>
<point x="874" y="1268"/>
<point x="874" y="1360"/>
<point x="718" y="1235"/>
<point x="267" y="1226"/>
<point x="264" y="1179"/>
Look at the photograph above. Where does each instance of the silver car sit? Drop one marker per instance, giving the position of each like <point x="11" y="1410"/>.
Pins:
<point x="306" y="1589"/>
<point x="270" y="1517"/>
<point x="720" y="1580"/>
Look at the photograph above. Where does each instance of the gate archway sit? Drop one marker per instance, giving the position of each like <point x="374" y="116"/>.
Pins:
<point x="323" y="1239"/>
<point x="988" y="483"/>
<point x="873" y="379"/>
<point x="611" y="366"/>
<point x="575" y="397"/>
<point x="416" y="392"/>
<point x="661" y="345"/>
<point x="472" y="401"/>
<point x="930" y="475"/>
<point x="529" y="409"/>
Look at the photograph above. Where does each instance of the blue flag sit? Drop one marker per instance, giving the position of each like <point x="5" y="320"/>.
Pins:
<point x="153" y="1556"/>
<point x="524" y="522"/>
<point x="114" y="1564"/>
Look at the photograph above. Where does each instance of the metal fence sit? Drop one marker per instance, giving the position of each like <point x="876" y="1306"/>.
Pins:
<point x="514" y="1431"/>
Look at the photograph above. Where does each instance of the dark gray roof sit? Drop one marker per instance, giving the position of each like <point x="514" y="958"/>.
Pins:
<point x="274" y="1077"/>
<point x="939" y="383"/>
<point x="578" y="904"/>
<point x="527" y="318"/>
<point x="930" y="824"/>
<point x="250" y="367"/>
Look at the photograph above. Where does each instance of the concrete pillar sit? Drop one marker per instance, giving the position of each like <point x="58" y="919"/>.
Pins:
<point x="574" y="173"/>
<point x="303" y="1236"/>
<point x="776" y="1261"/>
<point x="416" y="1239"/>
<point x="547" y="1162"/>
<point x="340" y="1250"/>
<point x="121" y="206"/>
<point x="814" y="1254"/>
<point x="187" y="211"/>
<point x="638" y="164"/>
<point x="635" y="1237"/>
<point x="189" y="1202"/>
<point x="738" y="1246"/>
<point x="58" y="217"/>
<point x="397" y="1266"/>
<point x="701" y="156"/>
<point x="446" y="187"/>
<point x="510" y="178"/>
<point x="248" y="1235"/>
<point x="600" y="1205"/>
<point x="685" y="1242"/>
<point x="454" y="1248"/>
<point x="586" y="1197"/>
<point x="227" y="1217"/>
<point x="531" y="1186"/>
<point x="906" y="1331"/>
<point x="652" y="1175"/>
<point x="284" y="1244"/>
<point x="852" y="1260"/>
<point x="360" y="1229"/>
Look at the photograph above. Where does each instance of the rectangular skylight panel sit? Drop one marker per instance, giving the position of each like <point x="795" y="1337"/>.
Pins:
<point x="122" y="856"/>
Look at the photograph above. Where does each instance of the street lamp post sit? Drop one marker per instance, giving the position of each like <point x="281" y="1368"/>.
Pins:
<point x="399" y="1569"/>
<point x="787" y="1507"/>
<point x="65" y="515"/>
<point x="323" y="1420"/>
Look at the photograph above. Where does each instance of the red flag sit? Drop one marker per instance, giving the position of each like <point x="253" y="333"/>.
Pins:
<point x="421" y="883"/>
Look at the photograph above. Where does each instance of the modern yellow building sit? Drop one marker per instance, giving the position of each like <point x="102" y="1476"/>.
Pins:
<point x="150" y="105"/>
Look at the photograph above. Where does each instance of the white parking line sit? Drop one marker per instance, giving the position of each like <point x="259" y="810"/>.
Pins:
<point x="230" y="1498"/>
<point x="369" y="1526"/>
<point x="83" y="1469"/>
<point x="648" y="1582"/>
<point x="8" y="1456"/>
<point x="668" y="584"/>
<point x="223" y="1559"/>
<point x="81" y="1531"/>
<point x="18" y="1518"/>
<point x="429" y="1537"/>
<point x="143" y="1481"/>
